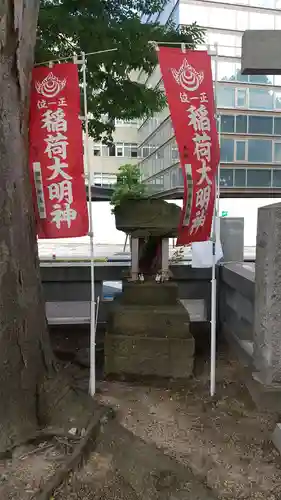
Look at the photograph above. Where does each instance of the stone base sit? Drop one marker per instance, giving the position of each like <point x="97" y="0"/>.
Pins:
<point x="148" y="356"/>
<point x="265" y="397"/>
<point x="150" y="321"/>
<point x="150" y="293"/>
<point x="148" y="333"/>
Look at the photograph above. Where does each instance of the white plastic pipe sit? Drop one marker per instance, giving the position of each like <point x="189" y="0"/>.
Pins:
<point x="92" y="382"/>
<point x="216" y="237"/>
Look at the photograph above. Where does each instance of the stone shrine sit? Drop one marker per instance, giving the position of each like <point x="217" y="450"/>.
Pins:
<point x="148" y="330"/>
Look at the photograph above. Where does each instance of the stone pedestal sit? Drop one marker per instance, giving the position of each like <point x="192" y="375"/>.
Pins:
<point x="148" y="333"/>
<point x="267" y="325"/>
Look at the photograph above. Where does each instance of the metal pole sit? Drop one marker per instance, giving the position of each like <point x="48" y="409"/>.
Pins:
<point x="216" y="237"/>
<point x="92" y="383"/>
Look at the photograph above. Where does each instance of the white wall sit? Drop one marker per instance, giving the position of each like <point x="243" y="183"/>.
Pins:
<point x="105" y="231"/>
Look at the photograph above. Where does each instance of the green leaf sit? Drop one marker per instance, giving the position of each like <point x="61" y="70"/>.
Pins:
<point x="128" y="185"/>
<point x="73" y="26"/>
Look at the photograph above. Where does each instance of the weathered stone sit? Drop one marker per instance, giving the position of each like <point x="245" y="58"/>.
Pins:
<point x="150" y="321"/>
<point x="151" y="340"/>
<point x="147" y="217"/>
<point x="162" y="357"/>
<point x="267" y="329"/>
<point x="150" y="293"/>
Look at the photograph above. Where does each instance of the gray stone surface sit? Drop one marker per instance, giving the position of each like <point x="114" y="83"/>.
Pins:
<point x="148" y="217"/>
<point x="150" y="293"/>
<point x="267" y="321"/>
<point x="151" y="356"/>
<point x="148" y="333"/>
<point x="150" y="321"/>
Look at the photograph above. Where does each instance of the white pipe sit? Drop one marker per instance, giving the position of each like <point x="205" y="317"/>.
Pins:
<point x="97" y="312"/>
<point x="92" y="382"/>
<point x="216" y="237"/>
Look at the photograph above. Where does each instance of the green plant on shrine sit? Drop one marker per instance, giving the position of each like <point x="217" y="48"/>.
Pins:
<point x="128" y="186"/>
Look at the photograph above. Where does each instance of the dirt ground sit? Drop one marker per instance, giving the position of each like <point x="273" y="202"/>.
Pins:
<point x="24" y="474"/>
<point x="225" y="442"/>
<point x="173" y="444"/>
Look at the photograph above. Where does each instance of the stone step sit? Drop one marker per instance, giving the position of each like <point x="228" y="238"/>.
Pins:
<point x="160" y="357"/>
<point x="150" y="293"/>
<point x="150" y="321"/>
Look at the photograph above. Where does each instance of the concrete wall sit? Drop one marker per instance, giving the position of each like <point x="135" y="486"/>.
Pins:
<point x="67" y="293"/>
<point x="67" y="288"/>
<point x="236" y="306"/>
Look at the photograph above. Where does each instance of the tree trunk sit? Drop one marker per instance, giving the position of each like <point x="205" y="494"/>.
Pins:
<point x="25" y="352"/>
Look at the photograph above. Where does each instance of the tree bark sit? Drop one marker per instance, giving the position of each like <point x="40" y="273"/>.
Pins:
<point x="25" y="352"/>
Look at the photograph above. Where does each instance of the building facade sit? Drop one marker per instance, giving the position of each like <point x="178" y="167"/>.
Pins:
<point x="249" y="107"/>
<point x="105" y="161"/>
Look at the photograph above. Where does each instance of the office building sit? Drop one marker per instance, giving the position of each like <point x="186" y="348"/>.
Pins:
<point x="249" y="107"/>
<point x="105" y="161"/>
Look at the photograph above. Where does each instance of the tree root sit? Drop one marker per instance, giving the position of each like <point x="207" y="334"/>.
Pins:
<point x="60" y="407"/>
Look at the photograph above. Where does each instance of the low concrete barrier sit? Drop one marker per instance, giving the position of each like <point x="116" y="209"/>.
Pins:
<point x="67" y="290"/>
<point x="236" y="306"/>
<point x="67" y="293"/>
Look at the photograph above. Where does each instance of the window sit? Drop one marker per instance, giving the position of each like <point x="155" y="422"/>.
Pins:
<point x="160" y="154"/>
<point x="119" y="150"/>
<point x="174" y="179"/>
<point x="241" y="98"/>
<point x="277" y="100"/>
<point x="242" y="78"/>
<point x="112" y="150"/>
<point x="260" y="124"/>
<point x="277" y="126"/>
<point x="105" y="150"/>
<point x="276" y="178"/>
<point x="227" y="123"/>
<point x="261" y="79"/>
<point x="260" y="99"/>
<point x="240" y="177"/>
<point x="241" y="124"/>
<point x="181" y="179"/>
<point x="277" y="152"/>
<point x="97" y="150"/>
<point x="226" y="96"/>
<point x="259" y="151"/>
<point x="134" y="150"/>
<point x="175" y="153"/>
<point x="227" y="150"/>
<point x="226" y="177"/>
<point x="145" y="151"/>
<point x="258" y="177"/>
<point x="240" y="150"/>
<point x="131" y="150"/>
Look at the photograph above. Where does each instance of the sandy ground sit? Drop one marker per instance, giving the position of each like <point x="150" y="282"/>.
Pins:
<point x="225" y="442"/>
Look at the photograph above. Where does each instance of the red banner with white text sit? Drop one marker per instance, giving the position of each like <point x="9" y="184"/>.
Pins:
<point x="56" y="153"/>
<point x="187" y="77"/>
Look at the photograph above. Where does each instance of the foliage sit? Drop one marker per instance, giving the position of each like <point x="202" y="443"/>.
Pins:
<point x="69" y="26"/>
<point x="128" y="185"/>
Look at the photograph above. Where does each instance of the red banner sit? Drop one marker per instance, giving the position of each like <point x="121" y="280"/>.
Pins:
<point x="56" y="153"/>
<point x="188" y="82"/>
